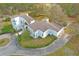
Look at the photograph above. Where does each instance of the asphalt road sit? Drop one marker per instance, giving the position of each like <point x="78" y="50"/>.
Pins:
<point x="13" y="48"/>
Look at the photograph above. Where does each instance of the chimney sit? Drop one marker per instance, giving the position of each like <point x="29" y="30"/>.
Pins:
<point x="46" y="20"/>
<point x="27" y="14"/>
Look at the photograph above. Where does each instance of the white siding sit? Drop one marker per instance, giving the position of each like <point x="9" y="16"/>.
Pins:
<point x="45" y="34"/>
<point x="31" y="31"/>
<point x="49" y="32"/>
<point x="60" y="32"/>
<point x="38" y="33"/>
<point x="52" y="32"/>
<point x="18" y="23"/>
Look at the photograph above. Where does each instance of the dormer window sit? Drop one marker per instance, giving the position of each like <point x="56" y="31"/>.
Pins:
<point x="26" y="23"/>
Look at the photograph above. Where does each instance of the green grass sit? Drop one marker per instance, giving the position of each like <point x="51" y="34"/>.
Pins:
<point x="4" y="42"/>
<point x="26" y="36"/>
<point x="72" y="45"/>
<point x="6" y="28"/>
<point x="59" y="52"/>
<point x="26" y="41"/>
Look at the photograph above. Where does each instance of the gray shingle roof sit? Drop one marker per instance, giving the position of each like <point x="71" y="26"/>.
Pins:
<point x="40" y="25"/>
<point x="58" y="26"/>
<point x="27" y="18"/>
<point x="43" y="26"/>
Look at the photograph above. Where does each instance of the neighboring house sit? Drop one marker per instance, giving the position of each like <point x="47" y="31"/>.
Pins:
<point x="36" y="28"/>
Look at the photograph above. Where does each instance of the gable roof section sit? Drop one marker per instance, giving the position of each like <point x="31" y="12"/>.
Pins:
<point x="40" y="25"/>
<point x="43" y="26"/>
<point x="27" y="18"/>
<point x="58" y="27"/>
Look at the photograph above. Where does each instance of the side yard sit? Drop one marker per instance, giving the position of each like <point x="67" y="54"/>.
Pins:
<point x="71" y="48"/>
<point x="6" y="27"/>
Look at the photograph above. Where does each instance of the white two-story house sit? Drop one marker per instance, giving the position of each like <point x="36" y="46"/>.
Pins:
<point x="36" y="28"/>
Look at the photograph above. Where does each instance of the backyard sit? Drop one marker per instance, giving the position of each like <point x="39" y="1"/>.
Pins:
<point x="26" y="41"/>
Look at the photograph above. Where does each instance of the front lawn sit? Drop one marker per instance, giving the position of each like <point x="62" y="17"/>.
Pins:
<point x="4" y="42"/>
<point x="26" y="41"/>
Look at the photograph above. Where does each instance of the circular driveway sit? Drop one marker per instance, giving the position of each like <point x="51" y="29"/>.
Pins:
<point x="13" y="47"/>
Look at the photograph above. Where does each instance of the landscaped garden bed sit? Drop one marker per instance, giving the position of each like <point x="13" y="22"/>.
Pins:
<point x="26" y="41"/>
<point x="4" y="42"/>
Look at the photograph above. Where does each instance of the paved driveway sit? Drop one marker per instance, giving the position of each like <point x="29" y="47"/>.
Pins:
<point x="5" y="36"/>
<point x="13" y="48"/>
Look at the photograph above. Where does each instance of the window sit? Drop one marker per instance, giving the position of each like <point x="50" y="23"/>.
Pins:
<point x="14" y="22"/>
<point x="25" y="23"/>
<point x="42" y="34"/>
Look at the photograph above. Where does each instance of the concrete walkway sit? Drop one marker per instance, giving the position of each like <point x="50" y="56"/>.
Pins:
<point x="13" y="47"/>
